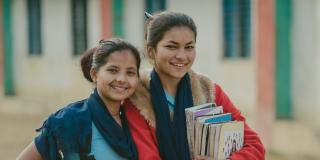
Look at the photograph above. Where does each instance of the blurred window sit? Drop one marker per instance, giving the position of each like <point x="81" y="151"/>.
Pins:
<point x="34" y="27"/>
<point x="153" y="6"/>
<point x="79" y="26"/>
<point x="237" y="28"/>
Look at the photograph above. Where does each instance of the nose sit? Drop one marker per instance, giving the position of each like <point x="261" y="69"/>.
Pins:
<point x="181" y="54"/>
<point x="121" y="77"/>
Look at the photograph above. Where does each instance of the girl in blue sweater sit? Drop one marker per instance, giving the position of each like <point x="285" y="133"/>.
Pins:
<point x="94" y="128"/>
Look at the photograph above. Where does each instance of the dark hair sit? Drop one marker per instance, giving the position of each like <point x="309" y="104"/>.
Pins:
<point x="158" y="24"/>
<point x="97" y="56"/>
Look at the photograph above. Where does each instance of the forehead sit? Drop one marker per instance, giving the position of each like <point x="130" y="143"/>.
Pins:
<point x="122" y="58"/>
<point x="179" y="34"/>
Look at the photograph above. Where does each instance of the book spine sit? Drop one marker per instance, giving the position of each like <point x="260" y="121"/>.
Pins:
<point x="220" y="119"/>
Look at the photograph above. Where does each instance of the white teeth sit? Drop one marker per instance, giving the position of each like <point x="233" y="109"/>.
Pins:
<point x="119" y="88"/>
<point x="179" y="65"/>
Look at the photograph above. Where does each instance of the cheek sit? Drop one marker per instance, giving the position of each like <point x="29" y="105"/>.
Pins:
<point x="104" y="78"/>
<point x="192" y="57"/>
<point x="163" y="54"/>
<point x="134" y="83"/>
<point x="132" y="80"/>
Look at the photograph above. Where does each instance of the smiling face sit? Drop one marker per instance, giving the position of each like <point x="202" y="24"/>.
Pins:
<point x="117" y="79"/>
<point x="174" y="54"/>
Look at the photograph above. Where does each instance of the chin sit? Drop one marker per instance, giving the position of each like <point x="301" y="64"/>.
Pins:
<point x="178" y="74"/>
<point x="119" y="98"/>
<point x="173" y="73"/>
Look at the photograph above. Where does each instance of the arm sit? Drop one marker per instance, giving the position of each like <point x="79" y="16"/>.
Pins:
<point x="253" y="148"/>
<point x="40" y="147"/>
<point x="142" y="134"/>
<point x="30" y="153"/>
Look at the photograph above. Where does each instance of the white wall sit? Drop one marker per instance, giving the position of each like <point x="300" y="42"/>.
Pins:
<point x="306" y="60"/>
<point x="20" y="45"/>
<point x="133" y="24"/>
<point x="133" y="21"/>
<point x="94" y="23"/>
<point x="56" y="73"/>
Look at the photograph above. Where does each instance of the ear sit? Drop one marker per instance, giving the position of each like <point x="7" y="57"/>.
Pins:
<point x="151" y="53"/>
<point x="93" y="74"/>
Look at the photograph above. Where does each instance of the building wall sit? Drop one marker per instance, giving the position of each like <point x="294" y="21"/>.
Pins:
<point x="265" y="68"/>
<point x="305" y="61"/>
<point x="94" y="23"/>
<point x="57" y="72"/>
<point x="133" y="21"/>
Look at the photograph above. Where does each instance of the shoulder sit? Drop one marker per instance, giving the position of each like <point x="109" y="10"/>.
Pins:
<point x="67" y="116"/>
<point x="199" y="76"/>
<point x="71" y="110"/>
<point x="202" y="86"/>
<point x="220" y="94"/>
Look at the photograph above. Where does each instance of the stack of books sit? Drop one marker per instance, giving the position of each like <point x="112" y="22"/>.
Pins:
<point x="212" y="133"/>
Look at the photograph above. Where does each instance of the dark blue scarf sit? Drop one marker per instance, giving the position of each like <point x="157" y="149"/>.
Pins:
<point x="119" y="138"/>
<point x="69" y="130"/>
<point x="172" y="136"/>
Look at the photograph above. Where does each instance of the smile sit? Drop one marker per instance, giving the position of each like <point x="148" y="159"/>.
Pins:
<point x="180" y="65"/>
<point x="119" y="88"/>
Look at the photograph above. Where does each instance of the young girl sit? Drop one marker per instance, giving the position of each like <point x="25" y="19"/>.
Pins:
<point x="94" y="128"/>
<point x="165" y="92"/>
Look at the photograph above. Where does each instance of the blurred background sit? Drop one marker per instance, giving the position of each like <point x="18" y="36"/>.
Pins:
<point x="264" y="54"/>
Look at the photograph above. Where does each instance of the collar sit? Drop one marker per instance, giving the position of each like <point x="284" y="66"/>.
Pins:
<point x="202" y="92"/>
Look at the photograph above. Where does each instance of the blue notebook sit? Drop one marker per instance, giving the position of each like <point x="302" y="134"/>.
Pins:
<point x="220" y="118"/>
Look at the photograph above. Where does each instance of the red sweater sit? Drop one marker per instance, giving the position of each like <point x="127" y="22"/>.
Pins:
<point x="146" y="141"/>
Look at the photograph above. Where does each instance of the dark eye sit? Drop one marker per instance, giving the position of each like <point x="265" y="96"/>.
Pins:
<point x="131" y="73"/>
<point x="189" y="47"/>
<point x="113" y="71"/>
<point x="171" y="46"/>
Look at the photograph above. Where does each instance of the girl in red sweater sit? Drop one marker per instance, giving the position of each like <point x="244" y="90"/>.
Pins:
<point x="156" y="110"/>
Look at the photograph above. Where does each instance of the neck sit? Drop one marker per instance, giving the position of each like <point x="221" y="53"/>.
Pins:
<point x="112" y="106"/>
<point x="169" y="84"/>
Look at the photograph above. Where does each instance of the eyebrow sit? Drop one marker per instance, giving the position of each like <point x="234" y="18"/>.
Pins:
<point x="178" y="43"/>
<point x="131" y="68"/>
<point x="113" y="66"/>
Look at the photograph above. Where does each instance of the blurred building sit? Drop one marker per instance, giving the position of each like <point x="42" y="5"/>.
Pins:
<point x="264" y="53"/>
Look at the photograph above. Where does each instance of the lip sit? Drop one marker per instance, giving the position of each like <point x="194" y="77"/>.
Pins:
<point x="178" y="65"/>
<point x="119" y="88"/>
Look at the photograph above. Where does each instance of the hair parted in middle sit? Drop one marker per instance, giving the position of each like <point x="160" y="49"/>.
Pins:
<point x="157" y="25"/>
<point x="97" y="56"/>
